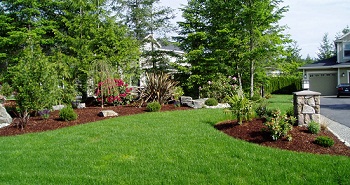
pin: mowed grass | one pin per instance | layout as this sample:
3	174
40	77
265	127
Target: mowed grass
281	102
179	147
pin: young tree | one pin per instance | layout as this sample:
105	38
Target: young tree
326	49
35	81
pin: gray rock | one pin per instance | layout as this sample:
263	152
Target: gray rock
57	107
107	113
5	118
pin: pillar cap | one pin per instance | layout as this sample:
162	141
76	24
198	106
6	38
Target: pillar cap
307	93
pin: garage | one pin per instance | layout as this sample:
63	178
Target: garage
323	82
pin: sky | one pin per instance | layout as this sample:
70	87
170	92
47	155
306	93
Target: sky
307	21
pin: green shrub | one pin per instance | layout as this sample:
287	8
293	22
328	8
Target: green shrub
279	125
211	102
219	87
261	108
6	90
68	114
153	107
278	128
324	141
178	92
241	107
290	111
314	127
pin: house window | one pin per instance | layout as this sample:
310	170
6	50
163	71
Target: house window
347	50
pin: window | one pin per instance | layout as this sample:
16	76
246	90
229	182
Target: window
347	50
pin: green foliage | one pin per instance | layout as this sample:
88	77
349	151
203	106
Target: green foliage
159	88
314	127
242	107
6	90
241	43
324	141
283	85
220	87
279	125
68	114
35	82
326	49
45	113
211	102
178	92
153	107
290	111
261	108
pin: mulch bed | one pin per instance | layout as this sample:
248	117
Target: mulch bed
253	131
302	140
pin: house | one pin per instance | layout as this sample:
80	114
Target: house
169	54
323	76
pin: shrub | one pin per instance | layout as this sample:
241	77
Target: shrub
113	91
279	125
45	114
241	107
159	88
178	92
278	128
219	88
211	102
153	107
261	108
314	127
6	90
324	141
290	111
68	114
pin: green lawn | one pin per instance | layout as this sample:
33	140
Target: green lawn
179	147
281	102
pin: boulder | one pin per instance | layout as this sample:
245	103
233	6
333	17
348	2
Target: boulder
107	113
5	118
57	107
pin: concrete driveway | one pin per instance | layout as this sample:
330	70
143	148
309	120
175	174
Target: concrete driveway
336	109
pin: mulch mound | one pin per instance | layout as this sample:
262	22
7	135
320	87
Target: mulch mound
253	131
302	140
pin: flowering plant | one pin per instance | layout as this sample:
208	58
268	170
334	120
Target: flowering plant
113	91
219	88
45	114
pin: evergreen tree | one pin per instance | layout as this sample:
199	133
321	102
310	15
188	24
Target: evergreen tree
233	36
326	49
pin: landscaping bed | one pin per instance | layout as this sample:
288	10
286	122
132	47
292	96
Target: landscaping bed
253	131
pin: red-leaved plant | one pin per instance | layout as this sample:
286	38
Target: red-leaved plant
113	92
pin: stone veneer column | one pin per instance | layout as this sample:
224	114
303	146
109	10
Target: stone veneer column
307	107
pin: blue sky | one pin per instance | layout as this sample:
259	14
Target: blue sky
308	20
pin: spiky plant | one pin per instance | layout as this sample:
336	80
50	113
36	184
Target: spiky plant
159	88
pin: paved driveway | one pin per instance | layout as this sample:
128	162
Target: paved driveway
336	109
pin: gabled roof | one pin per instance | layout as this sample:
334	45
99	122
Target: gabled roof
340	39
330	63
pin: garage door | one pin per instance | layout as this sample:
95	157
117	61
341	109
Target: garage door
324	83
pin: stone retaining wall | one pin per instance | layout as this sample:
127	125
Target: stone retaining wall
307	107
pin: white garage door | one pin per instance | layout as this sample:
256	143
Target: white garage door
324	83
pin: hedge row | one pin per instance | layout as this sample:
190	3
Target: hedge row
283	85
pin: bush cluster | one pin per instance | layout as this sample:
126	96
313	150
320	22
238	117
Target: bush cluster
67	114
314	127
219	88
242	107
279	125
153	107
211	102
324	141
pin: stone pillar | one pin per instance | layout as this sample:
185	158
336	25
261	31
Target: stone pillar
307	107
